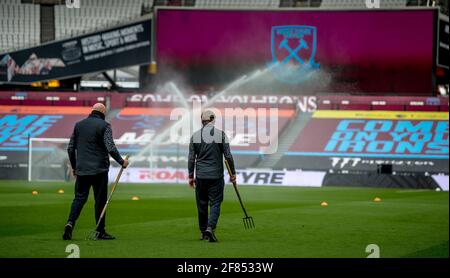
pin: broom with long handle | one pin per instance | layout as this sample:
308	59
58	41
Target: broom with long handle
94	234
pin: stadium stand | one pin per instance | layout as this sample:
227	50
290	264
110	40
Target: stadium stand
19	123
58	128
237	4
359	4
141	118
19	24
317	147
94	15
128	123
137	120
148	5
146	123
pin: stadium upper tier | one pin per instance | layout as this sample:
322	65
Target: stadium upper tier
239	3
94	15
355	4
360	140
20	23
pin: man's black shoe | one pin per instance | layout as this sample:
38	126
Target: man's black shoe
104	236
210	234
203	236
68	232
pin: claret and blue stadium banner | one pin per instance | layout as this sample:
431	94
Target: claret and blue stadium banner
19	123
337	140
362	140
309	51
121	46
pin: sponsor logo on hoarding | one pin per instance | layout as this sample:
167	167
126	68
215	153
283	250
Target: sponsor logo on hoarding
293	53
131	138
268	177
353	162
163	175
71	52
244	177
143	121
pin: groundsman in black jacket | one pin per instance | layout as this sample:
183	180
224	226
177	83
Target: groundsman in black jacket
89	148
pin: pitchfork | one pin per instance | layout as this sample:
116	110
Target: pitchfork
94	234
248	220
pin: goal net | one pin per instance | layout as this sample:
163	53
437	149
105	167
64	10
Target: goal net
150	162
48	159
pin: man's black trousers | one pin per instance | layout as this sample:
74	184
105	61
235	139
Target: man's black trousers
83	184
208	192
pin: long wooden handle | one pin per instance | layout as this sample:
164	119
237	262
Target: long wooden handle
118	178
228	166
116	182
235	188
229	170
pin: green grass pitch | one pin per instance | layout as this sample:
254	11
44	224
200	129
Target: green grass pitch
289	222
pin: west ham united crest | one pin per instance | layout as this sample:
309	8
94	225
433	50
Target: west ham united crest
293	53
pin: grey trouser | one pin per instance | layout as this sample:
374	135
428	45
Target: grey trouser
209	192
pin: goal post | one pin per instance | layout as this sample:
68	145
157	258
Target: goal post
48	159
